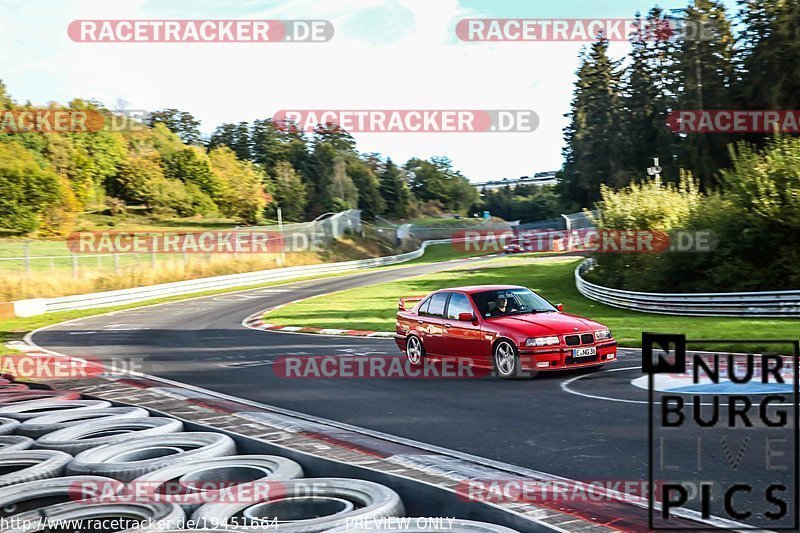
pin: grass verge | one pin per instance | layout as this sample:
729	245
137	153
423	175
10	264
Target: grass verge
373	308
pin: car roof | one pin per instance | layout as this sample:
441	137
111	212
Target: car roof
472	289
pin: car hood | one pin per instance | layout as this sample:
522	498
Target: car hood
545	324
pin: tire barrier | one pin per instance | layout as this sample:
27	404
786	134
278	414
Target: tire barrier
41	425
36	408
128	515
118	450
308	505
135	457
425	525
26	396
199	482
14	442
30	465
8	425
94	433
32	495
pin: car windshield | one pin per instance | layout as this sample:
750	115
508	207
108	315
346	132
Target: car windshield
507	302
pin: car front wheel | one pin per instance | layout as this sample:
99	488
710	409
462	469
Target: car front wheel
414	351
506	361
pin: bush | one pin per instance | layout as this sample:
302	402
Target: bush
242	194
754	218
28	191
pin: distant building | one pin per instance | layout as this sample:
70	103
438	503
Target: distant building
540	178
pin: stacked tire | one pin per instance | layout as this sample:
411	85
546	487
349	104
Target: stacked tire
65	458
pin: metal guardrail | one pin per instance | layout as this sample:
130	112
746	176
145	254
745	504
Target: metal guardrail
772	304
141	294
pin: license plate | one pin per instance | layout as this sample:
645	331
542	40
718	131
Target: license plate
584	352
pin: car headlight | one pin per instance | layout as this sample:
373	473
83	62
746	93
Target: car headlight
602	335
541	341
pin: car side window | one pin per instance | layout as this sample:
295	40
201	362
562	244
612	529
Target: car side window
459	303
423	307
436	307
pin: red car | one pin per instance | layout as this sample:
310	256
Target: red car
507	328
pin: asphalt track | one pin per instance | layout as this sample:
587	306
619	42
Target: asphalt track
585	425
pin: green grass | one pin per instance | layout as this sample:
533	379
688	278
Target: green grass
373	308
443	252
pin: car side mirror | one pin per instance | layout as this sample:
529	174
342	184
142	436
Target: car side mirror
466	317
560	308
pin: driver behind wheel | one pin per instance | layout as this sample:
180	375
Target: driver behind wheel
501	306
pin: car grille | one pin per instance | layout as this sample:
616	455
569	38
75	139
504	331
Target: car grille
569	360
577	340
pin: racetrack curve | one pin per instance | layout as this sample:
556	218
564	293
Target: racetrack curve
585	425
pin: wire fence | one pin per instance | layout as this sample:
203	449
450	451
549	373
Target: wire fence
41	257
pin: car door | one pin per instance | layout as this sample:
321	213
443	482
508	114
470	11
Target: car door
462	337
430	324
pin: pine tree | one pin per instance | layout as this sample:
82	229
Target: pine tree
592	137
648	97
706	70
770	54
290	192
394	191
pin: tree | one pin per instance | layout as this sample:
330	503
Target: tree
181	123
436	181
27	191
243	194
368	186
591	154
336	136
5	99
191	166
770	55
705	67
647	98
394	191
268	145
234	136
342	191
289	192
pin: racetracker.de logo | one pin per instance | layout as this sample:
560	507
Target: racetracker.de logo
202	242
562	30
361	367
200	31
734	121
412	120
184	491
45	367
586	241
33	120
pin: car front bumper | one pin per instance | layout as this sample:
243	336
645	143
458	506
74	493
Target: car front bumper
561	357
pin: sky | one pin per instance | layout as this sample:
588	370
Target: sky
385	54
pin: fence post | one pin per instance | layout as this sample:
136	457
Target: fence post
74	265
116	263
26	253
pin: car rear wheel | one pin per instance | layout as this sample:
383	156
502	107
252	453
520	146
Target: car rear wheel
415	352
506	361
